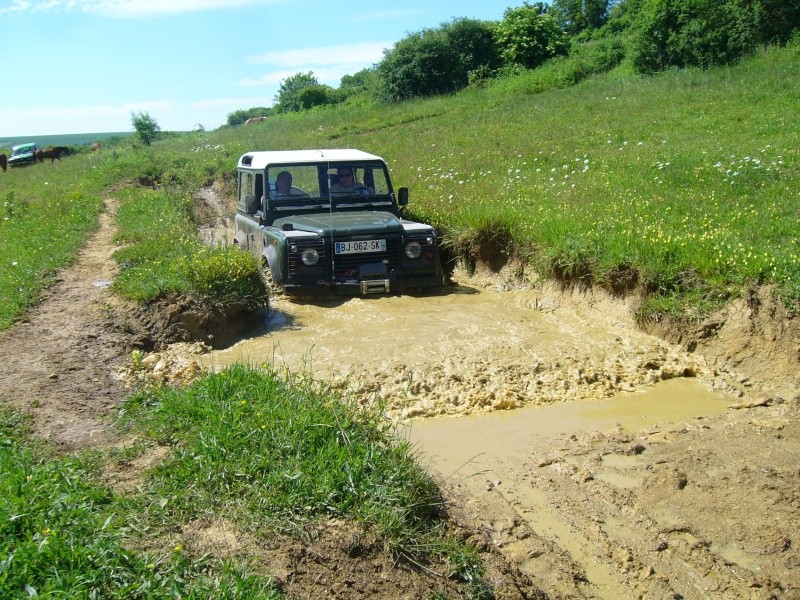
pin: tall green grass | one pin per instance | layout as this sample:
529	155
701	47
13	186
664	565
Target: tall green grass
63	534
686	183
161	253
683	185
273	452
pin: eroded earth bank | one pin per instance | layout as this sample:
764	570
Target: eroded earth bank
596	459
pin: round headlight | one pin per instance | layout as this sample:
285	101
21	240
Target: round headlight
309	256
413	249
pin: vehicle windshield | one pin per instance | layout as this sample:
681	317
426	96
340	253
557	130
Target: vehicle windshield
365	181
21	150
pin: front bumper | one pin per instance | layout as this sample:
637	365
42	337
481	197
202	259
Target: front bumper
366	287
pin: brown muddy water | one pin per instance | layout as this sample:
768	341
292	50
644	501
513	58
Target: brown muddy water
498	452
467	351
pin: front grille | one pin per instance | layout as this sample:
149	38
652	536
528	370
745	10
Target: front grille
346	266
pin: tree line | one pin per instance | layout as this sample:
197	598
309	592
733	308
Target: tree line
598	35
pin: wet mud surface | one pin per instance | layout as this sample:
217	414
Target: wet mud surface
602	461
595	459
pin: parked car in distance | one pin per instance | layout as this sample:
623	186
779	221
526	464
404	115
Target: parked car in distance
330	221
23	154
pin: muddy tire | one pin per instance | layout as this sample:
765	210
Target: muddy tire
273	289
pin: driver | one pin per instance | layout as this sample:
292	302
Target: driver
284	187
347	184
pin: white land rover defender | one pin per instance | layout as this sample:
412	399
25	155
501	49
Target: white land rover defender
330	221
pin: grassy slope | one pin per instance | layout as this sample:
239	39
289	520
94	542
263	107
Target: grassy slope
686	183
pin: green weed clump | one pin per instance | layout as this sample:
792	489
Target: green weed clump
64	535
223	274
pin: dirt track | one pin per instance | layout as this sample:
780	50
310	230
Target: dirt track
699	508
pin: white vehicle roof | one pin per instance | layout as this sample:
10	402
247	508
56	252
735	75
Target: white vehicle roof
260	159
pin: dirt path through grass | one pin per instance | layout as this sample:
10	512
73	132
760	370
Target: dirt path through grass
59	363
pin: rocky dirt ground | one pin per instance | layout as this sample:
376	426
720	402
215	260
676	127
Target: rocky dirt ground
703	508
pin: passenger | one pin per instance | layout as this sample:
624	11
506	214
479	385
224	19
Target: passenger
347	184
284	187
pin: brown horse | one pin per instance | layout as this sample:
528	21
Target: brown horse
3	162
52	153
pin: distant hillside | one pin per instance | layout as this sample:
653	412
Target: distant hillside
66	139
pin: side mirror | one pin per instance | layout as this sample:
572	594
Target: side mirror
252	204
402	196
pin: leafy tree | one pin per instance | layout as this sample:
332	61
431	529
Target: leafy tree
362	85
575	16
781	19
702	33
288	96
357	81
316	95
437	61
146	127
527	38
418	65
474	43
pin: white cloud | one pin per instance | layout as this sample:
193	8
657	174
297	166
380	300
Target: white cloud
271	78
386	15
328	64
62	113
234	103
328	75
171	116
128	8
363	54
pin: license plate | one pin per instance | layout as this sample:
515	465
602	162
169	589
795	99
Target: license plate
360	246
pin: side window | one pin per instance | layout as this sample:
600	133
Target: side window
245	185
247	188
258	190
289	182
375	180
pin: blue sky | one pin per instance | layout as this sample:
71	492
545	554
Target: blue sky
82	66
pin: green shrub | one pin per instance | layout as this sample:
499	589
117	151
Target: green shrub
437	61
706	33
146	127
528	38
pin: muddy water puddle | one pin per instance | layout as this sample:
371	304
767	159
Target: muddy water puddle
501	453
474	444
467	351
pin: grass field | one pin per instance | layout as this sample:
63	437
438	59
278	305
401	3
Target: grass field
683	185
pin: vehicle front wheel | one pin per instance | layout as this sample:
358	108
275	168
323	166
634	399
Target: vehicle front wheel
274	289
